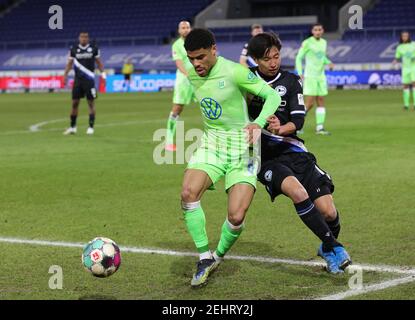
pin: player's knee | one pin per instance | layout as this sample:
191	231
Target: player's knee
236	216
236	220
189	194
328	211
299	194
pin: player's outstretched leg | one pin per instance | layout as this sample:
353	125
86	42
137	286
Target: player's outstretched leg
195	183
74	116
325	205
314	220
239	198
171	126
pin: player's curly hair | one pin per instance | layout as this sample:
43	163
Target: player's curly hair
261	44
199	39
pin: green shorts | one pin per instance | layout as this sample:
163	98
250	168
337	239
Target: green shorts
408	76
183	90
316	87
216	165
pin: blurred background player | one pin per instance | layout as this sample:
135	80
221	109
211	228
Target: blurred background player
245	59
314	49
286	165
405	52
183	91
83	58
127	71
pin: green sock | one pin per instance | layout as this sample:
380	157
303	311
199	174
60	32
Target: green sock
195	220
406	97
171	128
320	117
228	237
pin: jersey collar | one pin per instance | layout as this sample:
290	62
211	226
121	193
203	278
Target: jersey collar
271	81
83	47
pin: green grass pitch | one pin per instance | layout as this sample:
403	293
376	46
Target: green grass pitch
60	188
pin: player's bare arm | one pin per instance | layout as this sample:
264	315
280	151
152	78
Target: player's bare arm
181	68
68	68
275	127
100	65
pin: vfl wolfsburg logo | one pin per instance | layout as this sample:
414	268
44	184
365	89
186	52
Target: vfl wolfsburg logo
211	108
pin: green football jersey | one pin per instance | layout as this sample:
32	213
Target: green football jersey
222	94
315	55
179	53
222	100
406	52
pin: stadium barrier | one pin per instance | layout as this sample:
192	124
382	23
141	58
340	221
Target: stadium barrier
161	82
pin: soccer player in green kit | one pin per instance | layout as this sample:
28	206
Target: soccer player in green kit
406	52
220	87
183	92
313	49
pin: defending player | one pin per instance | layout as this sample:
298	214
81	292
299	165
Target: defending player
314	49
287	167
220	87
183	92
83	58
406	52
245	59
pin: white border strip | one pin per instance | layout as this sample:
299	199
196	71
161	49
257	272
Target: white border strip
408	271
369	288
376	268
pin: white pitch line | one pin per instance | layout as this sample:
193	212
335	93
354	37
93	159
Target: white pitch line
377	268
36	127
369	288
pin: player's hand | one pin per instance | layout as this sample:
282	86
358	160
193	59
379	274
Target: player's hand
331	66
253	132
274	124
302	78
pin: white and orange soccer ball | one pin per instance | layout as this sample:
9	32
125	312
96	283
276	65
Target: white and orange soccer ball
101	257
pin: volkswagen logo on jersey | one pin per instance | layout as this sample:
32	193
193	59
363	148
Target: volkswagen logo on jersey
281	90
211	108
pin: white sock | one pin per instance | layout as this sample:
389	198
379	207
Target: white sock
173	116
205	255
216	257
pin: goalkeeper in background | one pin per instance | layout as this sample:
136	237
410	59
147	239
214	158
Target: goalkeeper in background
127	71
406	53
183	92
313	49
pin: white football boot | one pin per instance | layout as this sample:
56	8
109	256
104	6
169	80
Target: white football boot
70	130
90	131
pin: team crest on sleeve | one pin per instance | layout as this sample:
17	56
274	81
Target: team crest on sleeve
281	90
211	108
268	175
221	84
251	76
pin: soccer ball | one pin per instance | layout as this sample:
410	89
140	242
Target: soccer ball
101	257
